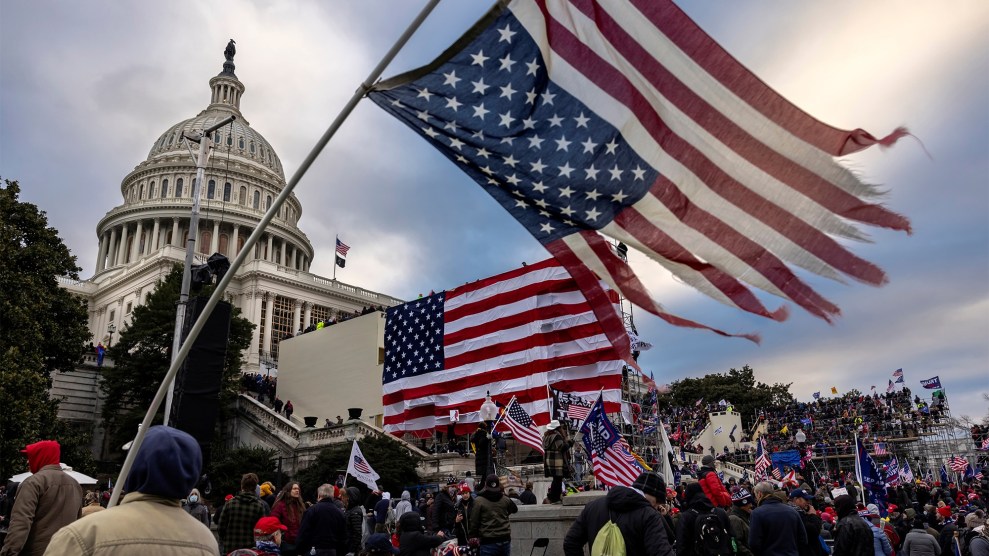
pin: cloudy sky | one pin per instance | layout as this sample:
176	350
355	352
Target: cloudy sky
86	88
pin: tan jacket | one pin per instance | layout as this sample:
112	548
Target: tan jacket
45	502
142	523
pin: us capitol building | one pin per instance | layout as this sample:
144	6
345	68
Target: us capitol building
143	238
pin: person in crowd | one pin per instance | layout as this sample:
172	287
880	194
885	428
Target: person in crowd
444	510
481	439
378	544
324	527
469	479
465	503
802	501
268	493
383	514
739	518
288	508
489	520
289	408
852	536
404	505
711	484
150	519
413	539
775	529
881	542
46	501
91	504
354	517
268	536
977	540
634	510
919	542
196	508
695	519
240	514
556	460
527	496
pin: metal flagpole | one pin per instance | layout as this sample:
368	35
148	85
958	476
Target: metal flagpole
335	243
253	239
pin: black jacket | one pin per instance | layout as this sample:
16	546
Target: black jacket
637	519
323	526
775	529
528	497
412	541
699	504
853	537
812	525
444	514
355	520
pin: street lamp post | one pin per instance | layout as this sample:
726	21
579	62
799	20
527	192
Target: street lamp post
110	329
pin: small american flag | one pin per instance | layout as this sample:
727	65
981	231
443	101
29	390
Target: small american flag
577	412
985	444
762	460
342	248
522	427
776	474
880	449
957	464
898	373
361	465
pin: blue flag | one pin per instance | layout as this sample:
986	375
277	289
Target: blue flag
969	472
944	476
817	395
873	482
931	383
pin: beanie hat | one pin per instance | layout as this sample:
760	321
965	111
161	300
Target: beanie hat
167	464
651	484
741	497
267	489
973	520
707	461
492	484
944	511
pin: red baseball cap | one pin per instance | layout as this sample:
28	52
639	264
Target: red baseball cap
268	525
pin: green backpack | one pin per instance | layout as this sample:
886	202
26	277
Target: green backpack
609	540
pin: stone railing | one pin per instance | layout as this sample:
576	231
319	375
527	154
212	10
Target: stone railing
271	421
730	469
377	298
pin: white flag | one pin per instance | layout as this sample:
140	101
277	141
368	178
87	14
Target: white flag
360	469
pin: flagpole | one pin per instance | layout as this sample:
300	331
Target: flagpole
858	469
335	244
502	416
253	239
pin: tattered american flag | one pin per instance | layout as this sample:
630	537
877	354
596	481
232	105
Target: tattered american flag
587	119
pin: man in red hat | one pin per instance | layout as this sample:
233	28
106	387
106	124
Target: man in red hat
268	533
46	501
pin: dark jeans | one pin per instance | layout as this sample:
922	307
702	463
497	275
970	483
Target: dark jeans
555	493
497	549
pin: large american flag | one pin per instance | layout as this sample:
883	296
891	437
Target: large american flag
587	119
957	464
611	458
522	427
511	335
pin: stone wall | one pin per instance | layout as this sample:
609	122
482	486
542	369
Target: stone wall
551	521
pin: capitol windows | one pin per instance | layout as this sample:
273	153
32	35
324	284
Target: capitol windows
230	140
211	189
267	202
164	188
140	194
224	242
178	187
151	191
216	138
257	199
252	147
240	143
242	198
205	240
227	188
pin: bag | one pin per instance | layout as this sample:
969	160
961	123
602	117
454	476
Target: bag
609	540
824	545
710	535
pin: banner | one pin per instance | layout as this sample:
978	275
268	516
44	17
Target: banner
360	469
931	383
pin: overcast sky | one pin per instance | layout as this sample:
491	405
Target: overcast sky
87	87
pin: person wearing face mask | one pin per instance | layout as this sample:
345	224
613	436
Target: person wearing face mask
197	509
445	511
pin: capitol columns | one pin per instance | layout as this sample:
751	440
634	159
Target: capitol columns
154	236
270	254
296	317
136	252
101	258
307	320
269	306
214	245
112	249
122	258
176	240
232	244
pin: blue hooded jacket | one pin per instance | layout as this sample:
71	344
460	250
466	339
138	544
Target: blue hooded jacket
167	464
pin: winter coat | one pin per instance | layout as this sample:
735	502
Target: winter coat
880	542
290	517
488	519
412	540
853	537
556	461
444	513
355	520
980	545
713	488
919	543
635	517
404	505
236	522
46	501
697	504
775	529
323	527
812	526
739	519
198	511
157	523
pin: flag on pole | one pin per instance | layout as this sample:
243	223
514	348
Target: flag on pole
341	253
817	395
957	463
360	469
906	474
870	476
834	389
873	387
879	449
612	461
522	427
944	475
985	444
510	335
577	412
931	383
628	121
777	474
890	387
892	475
898	373
762	461
899	380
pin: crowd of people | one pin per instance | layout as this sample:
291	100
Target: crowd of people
341	317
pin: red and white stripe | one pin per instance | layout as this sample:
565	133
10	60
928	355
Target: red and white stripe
749	187
614	469
510	335
529	436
